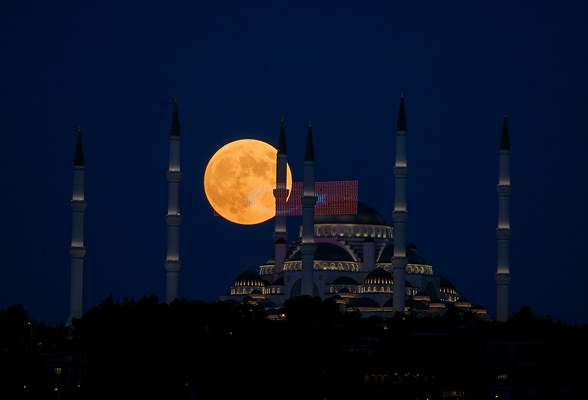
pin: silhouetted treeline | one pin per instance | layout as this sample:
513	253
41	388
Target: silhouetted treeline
309	349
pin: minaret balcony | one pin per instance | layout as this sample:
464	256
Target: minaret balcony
503	234
77	251
173	219
78	205
400	215
172	265
503	278
503	189
400	171
174	176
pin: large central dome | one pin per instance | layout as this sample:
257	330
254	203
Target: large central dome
366	215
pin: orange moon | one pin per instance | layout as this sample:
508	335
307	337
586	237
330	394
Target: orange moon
239	181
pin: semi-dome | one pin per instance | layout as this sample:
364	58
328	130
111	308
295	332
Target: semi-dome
444	283
249	278
378	276
344	280
325	252
412	257
366	215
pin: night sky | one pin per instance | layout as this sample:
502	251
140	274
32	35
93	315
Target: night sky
113	67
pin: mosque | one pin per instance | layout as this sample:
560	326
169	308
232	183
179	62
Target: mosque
357	259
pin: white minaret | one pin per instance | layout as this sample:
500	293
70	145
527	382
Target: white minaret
503	228
77	250
281	194
173	217
400	214
308	202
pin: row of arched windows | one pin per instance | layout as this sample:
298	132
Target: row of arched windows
374	231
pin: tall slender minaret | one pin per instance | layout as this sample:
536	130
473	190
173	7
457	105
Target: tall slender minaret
308	202
77	250
400	214
281	194
173	217
503	228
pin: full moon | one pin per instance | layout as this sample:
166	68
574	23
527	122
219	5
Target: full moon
239	181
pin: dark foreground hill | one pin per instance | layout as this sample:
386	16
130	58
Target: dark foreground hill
307	350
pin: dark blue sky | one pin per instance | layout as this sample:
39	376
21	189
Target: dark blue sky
113	67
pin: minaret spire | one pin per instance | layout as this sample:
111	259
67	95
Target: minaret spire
281	194
77	250
400	213
175	124
79	153
309	153
282	148
173	218
401	120
505	138
308	203
503	229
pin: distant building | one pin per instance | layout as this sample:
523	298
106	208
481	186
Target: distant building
359	260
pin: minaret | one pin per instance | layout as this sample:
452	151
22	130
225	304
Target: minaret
77	250
308	202
400	214
503	229
368	255
173	217
281	194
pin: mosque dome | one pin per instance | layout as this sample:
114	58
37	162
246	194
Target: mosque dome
325	252
249	278
378	276
366	215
